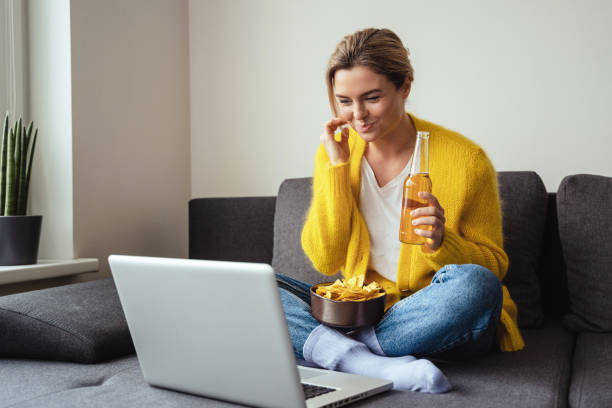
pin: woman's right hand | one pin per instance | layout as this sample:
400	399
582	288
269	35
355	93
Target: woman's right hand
338	152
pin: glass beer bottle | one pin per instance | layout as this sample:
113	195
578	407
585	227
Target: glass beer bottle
417	181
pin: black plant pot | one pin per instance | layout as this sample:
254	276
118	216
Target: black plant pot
19	238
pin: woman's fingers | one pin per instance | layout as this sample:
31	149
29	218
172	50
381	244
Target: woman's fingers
428	211
432	219
427	233
337	150
431	227
344	134
434	236
431	199
332	125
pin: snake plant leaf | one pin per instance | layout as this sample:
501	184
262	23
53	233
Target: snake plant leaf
11	191
15	127
29	172
23	187
28	133
18	166
3	156
16	156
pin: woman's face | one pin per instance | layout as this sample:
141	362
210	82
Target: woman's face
371	104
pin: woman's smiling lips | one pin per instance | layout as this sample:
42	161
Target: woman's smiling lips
365	127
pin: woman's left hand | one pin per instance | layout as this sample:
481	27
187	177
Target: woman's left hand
432	216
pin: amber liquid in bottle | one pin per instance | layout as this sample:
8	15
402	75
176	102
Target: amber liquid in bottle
411	201
417	181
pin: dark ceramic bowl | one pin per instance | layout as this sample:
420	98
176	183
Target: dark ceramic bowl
346	314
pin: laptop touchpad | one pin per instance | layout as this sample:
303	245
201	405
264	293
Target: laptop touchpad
306	372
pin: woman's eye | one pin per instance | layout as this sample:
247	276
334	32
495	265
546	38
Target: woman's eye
373	98
344	101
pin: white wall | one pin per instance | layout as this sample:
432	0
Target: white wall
528	81
130	124
111	92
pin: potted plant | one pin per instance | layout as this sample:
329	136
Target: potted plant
19	233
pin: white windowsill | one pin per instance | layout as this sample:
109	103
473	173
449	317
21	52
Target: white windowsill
47	268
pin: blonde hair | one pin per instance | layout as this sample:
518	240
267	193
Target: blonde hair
381	50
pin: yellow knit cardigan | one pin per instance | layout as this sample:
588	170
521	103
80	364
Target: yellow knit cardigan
335	236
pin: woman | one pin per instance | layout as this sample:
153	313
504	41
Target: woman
444	298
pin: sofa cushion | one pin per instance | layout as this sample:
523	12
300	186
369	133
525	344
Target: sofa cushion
117	383
83	323
592	371
585	225
537	376
524	201
292	204
35	382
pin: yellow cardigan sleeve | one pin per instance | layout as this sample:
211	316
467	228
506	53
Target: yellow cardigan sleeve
478	239
327	229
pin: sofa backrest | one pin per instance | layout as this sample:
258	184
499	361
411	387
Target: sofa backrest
584	204
524	207
292	205
268	229
231	229
552	273
524	204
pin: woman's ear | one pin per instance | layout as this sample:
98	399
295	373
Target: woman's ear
405	89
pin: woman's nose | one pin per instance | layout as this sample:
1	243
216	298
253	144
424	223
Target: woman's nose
360	112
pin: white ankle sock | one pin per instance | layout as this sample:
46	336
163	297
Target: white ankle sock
331	349
367	336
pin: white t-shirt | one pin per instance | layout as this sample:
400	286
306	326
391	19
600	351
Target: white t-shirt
381	209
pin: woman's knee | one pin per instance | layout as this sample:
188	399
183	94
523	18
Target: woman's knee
487	288
471	273
477	283
490	282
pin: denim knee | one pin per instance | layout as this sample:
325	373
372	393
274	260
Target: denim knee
489	285
480	287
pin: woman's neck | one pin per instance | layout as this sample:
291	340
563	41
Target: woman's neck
397	143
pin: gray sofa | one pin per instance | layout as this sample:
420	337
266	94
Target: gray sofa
69	346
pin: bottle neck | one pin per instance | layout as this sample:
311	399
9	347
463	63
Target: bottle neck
420	157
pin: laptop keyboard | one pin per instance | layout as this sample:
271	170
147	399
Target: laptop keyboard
311	391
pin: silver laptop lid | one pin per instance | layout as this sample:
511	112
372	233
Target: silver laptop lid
195	333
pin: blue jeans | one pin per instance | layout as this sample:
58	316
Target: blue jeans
452	318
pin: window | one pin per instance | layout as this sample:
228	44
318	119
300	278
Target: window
13	57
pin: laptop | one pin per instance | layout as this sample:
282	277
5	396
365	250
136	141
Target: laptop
217	329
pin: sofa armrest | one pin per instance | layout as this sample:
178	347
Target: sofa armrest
82	323
232	229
